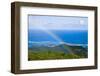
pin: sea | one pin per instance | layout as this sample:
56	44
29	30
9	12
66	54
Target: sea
57	36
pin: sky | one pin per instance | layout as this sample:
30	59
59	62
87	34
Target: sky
39	22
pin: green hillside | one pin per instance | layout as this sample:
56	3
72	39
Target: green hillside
62	51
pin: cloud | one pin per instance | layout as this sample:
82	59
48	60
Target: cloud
58	23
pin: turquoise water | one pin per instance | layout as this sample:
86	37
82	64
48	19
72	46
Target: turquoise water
56	36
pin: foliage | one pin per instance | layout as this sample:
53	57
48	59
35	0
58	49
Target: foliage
47	55
58	52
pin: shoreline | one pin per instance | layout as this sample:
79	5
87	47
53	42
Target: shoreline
53	44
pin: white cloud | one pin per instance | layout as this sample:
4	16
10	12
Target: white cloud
58	23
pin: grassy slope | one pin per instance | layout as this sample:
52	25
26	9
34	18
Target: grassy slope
58	52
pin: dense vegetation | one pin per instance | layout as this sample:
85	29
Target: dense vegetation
42	55
58	52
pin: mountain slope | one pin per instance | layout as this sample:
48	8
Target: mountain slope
57	52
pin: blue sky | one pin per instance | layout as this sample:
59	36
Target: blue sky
57	22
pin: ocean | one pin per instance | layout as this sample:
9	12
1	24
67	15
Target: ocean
56	36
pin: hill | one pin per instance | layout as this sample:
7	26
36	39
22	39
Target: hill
61	51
